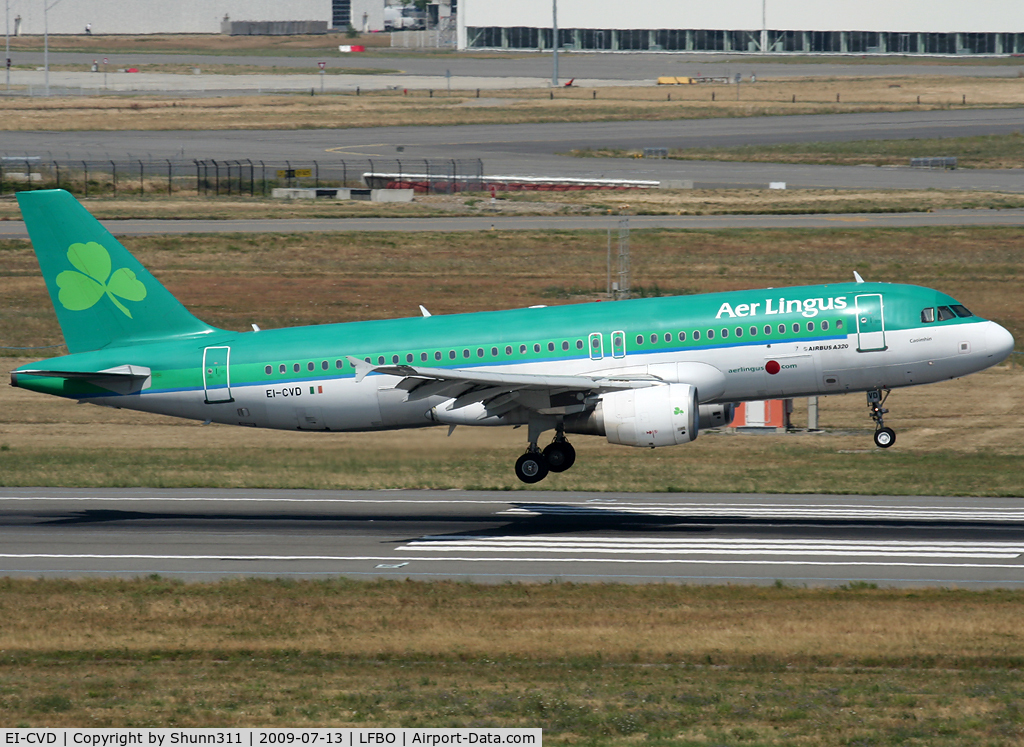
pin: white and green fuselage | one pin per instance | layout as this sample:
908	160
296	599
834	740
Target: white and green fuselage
133	346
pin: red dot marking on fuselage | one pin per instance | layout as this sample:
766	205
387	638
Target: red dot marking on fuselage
772	367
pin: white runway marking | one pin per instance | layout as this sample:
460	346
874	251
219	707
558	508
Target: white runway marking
729	547
777	511
723	552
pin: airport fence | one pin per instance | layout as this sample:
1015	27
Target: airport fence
211	177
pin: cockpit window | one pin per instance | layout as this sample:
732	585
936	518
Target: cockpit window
946	313
928	315
960	310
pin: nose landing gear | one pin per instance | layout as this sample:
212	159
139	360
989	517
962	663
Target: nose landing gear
884	437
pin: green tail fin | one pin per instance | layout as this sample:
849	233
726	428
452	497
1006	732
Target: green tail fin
102	295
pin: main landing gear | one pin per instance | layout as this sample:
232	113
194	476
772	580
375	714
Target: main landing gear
884	437
534	465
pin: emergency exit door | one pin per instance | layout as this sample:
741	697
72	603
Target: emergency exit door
217	375
870	323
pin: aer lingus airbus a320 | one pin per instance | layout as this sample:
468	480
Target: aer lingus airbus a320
649	372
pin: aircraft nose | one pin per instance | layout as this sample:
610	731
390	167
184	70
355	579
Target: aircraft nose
999	342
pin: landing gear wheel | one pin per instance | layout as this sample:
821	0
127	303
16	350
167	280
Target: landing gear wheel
885	437
560	455
531	467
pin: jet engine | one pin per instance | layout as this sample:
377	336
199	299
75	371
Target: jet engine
717	416
653	416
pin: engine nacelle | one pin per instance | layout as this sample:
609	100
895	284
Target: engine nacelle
653	416
717	416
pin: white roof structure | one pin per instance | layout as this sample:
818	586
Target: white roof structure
859	26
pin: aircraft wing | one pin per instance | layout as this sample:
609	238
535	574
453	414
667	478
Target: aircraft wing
499	392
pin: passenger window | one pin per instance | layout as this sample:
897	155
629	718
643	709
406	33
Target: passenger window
536	347
711	334
494	352
668	337
325	365
696	334
508	350
946	313
269	370
639	339
380	361
579	344
310	366
395	359
409	357
551	347
565	345
465	352
928	315
654	339
682	337
522	349
796	327
282	368
479	352
753	331
810	326
960	310
341	364
451	355
423	357
839	323
767	329
725	332
824	325
782	329
739	331
437	355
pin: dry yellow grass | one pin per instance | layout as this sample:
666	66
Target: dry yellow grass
546	622
595	664
812	95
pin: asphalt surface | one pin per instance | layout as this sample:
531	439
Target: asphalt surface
16	229
534	149
513	536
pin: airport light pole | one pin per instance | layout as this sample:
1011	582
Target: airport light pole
7	43
554	42
46	41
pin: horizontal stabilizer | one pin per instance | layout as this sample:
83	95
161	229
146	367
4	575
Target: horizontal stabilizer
125	379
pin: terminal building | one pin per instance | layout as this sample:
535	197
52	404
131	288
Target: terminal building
912	27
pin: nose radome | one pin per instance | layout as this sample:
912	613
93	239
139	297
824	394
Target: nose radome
999	342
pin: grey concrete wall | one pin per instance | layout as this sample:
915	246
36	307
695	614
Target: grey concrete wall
151	17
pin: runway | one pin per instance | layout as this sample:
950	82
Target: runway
539	149
495	537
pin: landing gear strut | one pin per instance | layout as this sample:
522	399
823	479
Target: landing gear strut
558	456
884	437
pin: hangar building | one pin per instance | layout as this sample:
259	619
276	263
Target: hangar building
981	27
180	16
